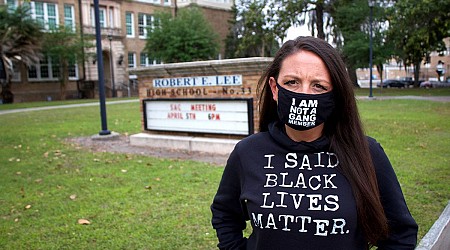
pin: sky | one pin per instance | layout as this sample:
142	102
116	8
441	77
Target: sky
294	32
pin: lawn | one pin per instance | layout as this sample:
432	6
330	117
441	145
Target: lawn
376	92
136	202
402	92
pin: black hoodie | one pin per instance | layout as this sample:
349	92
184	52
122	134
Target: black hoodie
296	198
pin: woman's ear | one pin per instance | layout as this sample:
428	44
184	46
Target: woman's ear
274	88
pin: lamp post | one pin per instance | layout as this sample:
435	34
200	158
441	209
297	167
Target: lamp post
101	85
111	65
371	4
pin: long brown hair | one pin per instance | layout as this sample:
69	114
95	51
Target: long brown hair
343	128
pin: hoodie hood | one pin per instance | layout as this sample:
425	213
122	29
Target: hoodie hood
278	132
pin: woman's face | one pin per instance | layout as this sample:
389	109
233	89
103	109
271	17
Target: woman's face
302	72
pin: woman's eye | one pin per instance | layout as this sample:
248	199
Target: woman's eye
319	86
291	82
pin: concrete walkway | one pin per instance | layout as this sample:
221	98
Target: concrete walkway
438	238
10	111
408	97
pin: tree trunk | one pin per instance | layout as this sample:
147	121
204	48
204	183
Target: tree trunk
6	94
417	73
380	71
7	70
64	79
353	76
263	46
175	9
351	72
319	20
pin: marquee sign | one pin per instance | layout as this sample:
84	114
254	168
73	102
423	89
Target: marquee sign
198	81
217	116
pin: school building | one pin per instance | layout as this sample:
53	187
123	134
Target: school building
123	30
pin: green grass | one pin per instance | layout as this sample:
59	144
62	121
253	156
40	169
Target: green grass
358	92
138	202
403	92
416	137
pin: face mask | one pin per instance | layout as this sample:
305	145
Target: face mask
304	111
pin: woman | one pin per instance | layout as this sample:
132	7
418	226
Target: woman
310	179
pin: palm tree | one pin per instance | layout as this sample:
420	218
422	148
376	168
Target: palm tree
20	41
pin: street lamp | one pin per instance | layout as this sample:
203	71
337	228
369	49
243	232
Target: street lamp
111	65
371	4
101	82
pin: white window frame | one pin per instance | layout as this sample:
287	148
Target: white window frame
102	17
145	60
50	72
39	71
150	1
45	15
75	71
129	25
131	60
71	18
12	4
144	24
111	17
16	73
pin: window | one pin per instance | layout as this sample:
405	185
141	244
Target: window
111	17
73	72
16	73
131	60
150	1
146	60
145	21
167	2
55	69
49	69
46	14
69	15
102	16
44	70
106	17
12	5
39	13
129	24
32	72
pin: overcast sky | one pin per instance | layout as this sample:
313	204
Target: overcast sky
294	32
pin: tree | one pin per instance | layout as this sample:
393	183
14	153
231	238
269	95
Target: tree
260	25
232	39
255	30
417	28
314	13
65	48
20	42
351	22
186	37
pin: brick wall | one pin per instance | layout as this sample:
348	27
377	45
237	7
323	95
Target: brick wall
219	20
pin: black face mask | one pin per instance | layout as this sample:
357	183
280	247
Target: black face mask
304	111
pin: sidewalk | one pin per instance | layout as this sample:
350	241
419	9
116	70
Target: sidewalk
408	97
10	111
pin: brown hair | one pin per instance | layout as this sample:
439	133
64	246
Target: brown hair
343	128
